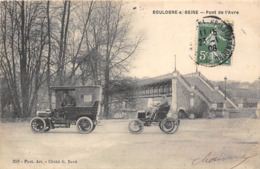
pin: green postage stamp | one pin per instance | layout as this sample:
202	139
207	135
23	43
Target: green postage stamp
215	42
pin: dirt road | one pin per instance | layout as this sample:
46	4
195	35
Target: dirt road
203	143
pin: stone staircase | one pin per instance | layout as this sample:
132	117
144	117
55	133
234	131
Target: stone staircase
193	89
214	93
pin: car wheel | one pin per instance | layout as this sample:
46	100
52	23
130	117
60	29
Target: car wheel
84	125
136	126
94	126
169	125
160	125
38	125
47	129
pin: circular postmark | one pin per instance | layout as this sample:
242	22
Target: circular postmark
215	42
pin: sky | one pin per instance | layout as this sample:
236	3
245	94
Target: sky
167	35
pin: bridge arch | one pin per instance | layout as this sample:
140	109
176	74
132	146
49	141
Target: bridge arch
182	113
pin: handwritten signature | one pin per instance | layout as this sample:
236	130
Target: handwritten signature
209	158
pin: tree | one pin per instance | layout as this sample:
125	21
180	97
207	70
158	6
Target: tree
23	35
118	46
60	43
49	54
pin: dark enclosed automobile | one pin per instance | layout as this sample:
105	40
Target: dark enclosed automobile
71	105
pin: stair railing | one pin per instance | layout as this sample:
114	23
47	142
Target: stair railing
228	96
206	80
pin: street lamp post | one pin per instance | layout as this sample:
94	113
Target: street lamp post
225	79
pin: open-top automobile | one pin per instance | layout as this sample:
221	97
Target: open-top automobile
168	125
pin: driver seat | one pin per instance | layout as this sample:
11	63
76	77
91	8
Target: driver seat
162	112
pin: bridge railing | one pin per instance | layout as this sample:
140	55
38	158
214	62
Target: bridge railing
184	80
206	80
152	91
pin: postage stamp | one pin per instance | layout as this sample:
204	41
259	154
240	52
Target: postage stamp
215	42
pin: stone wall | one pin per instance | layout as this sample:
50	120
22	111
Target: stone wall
183	96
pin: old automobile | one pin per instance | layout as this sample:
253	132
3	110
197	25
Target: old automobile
168	125
83	111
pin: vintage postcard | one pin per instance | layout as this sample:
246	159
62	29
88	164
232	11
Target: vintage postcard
130	84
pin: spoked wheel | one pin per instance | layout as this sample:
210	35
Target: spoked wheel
84	125
169	125
136	126
38	125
